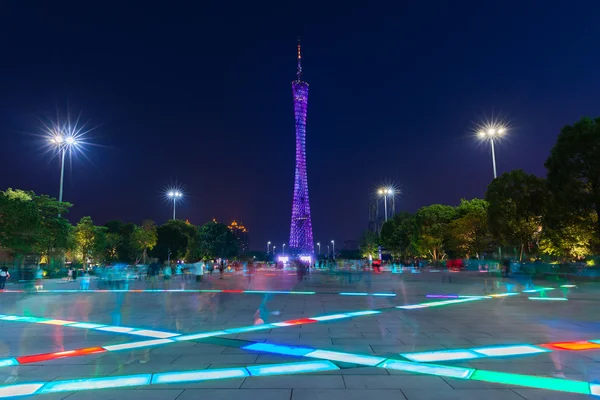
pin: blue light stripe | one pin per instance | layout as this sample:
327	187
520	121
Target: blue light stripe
96	383
7	362
291	368
353	294
250	328
346	357
200	375
278	349
429	369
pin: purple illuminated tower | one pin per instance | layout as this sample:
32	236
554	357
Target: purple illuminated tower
301	237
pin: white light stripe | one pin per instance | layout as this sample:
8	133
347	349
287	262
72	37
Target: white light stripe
134	345
19	390
118	329
441	355
346	357
200	335
509	350
156	334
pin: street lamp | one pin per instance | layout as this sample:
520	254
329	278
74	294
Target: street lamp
174	194
327	251
333	248
64	143
274	251
319	246
385	192
268	247
284	249
490	133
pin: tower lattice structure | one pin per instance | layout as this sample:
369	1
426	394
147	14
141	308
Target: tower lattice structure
301	236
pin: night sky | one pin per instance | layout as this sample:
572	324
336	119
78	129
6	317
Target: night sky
202	97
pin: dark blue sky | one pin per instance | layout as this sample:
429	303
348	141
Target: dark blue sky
202	96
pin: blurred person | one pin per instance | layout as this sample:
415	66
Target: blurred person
39	275
85	281
4	276
199	270
221	269
69	274
167	272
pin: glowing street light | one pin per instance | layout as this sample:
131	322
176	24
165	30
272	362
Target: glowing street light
319	246
274	250
64	143
492	132
284	249
385	192
268	247
174	194
333	248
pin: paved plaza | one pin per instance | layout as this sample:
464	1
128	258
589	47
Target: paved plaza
271	337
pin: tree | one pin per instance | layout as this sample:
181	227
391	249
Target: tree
398	235
119	241
90	240
516	204
144	238
468	235
216	240
175	239
29	224
369	244
432	229
574	179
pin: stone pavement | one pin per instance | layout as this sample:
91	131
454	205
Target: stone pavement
472	324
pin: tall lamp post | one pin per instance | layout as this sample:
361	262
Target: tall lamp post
491	133
174	194
385	192
319	246
268	247
284	249
333	248
64	144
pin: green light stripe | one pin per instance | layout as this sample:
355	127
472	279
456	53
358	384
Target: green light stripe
539	382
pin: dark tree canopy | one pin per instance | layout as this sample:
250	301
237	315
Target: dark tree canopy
216	240
574	177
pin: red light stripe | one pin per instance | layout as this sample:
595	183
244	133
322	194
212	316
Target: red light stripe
301	321
60	354
576	345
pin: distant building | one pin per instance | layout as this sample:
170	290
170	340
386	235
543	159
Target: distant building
241	233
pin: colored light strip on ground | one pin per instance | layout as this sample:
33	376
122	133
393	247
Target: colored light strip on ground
428	369
201	335
59	354
538	290
251	328
346	357
209	291
198	376
555	384
501	351
278	349
568	286
442	296
151	333
579	345
595	389
8	362
448	355
504	294
135	345
549	298
330	317
292	368
538	382
95	383
438	303
163	378
353	294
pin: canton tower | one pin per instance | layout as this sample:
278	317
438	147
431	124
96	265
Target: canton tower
301	237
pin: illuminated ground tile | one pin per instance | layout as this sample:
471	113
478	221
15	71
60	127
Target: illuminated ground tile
156	334
135	345
96	383
499	351
561	385
302	292
568	286
251	328
411	307
267	291
353	294
59	354
117	329
346	357
56	322
23	319
448	355
429	369
291	368
331	317
537	290
442	296
278	349
549	298
384	294
300	321
200	335
202	375
361	313
595	389
581	345
7	362
595	341
86	325
503	294
19	390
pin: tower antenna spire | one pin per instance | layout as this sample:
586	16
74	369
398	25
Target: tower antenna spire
299	73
